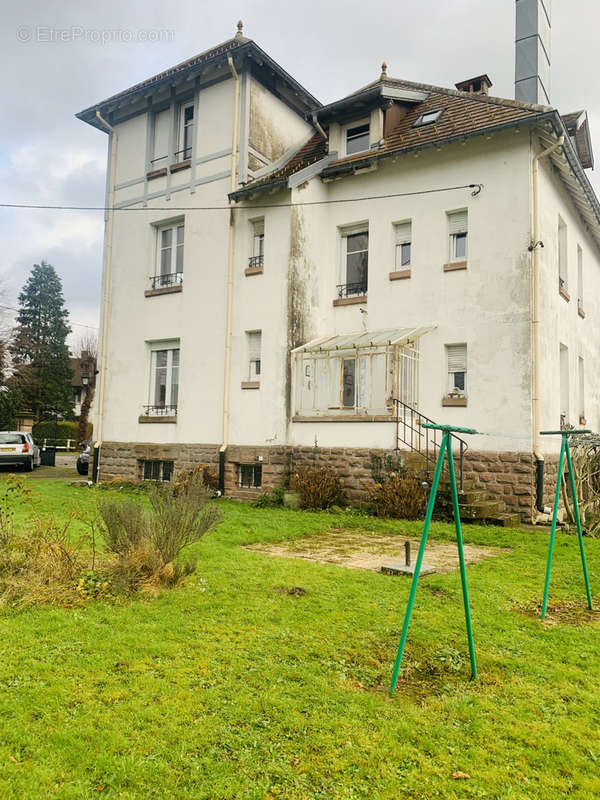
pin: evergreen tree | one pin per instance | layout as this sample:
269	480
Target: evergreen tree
43	373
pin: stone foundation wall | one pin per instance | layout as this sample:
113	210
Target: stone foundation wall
504	476
123	459
509	477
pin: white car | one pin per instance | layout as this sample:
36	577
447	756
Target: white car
18	448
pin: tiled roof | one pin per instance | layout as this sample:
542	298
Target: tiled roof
314	149
463	114
201	58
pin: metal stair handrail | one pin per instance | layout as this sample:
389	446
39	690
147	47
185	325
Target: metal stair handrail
424	441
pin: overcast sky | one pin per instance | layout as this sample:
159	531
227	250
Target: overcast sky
332	47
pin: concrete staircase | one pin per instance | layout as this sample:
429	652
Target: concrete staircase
476	505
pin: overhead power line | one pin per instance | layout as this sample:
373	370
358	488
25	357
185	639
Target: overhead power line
476	186
79	324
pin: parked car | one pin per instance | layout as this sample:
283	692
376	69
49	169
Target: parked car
19	449
83	461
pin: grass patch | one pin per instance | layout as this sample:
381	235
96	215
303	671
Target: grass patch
228	687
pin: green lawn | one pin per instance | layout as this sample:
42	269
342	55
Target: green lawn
227	688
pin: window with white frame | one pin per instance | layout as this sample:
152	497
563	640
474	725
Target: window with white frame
186	132
456	357
563	271
355	261
357	137
254	344
169	260
153	470
164	378
579	278
258	243
161	121
250	476
403	237
361	380
458	232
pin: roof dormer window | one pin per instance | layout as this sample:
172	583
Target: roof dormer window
429	117
357	137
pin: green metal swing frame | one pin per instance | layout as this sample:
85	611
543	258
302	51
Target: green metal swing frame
565	452
445	449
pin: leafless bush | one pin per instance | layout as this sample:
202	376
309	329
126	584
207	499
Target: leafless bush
148	541
402	497
585	455
318	487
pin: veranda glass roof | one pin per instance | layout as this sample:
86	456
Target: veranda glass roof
363	339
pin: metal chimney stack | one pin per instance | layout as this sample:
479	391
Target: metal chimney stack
532	56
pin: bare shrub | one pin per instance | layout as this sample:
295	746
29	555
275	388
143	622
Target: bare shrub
125	525
585	455
148	541
201	472
318	487
37	565
398	496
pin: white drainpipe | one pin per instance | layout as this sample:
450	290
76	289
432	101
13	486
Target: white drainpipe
230	260
108	236
536	300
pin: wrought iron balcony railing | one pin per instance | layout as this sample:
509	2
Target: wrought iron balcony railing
162	281
256	261
160	411
352	289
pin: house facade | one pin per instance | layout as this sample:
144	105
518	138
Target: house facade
289	283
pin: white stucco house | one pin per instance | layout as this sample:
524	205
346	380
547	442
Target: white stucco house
288	281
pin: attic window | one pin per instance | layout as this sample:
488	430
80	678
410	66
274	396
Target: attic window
357	138
429	117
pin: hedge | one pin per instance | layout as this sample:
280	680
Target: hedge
60	430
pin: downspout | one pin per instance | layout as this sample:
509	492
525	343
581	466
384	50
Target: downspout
534	247
108	236
317	125
230	259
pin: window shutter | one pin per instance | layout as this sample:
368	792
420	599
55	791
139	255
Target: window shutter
403	233
457	357
259	227
254	341
457	222
161	135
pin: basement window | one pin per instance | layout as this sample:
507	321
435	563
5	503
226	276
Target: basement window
250	476
157	470
428	117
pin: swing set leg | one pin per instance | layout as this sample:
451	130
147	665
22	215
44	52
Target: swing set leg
553	528
565	452
579	531
415	577
461	557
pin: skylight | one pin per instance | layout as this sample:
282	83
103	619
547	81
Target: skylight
429	117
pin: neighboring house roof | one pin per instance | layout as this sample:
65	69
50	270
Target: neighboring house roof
83	365
238	44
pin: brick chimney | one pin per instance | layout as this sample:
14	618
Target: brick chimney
478	85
